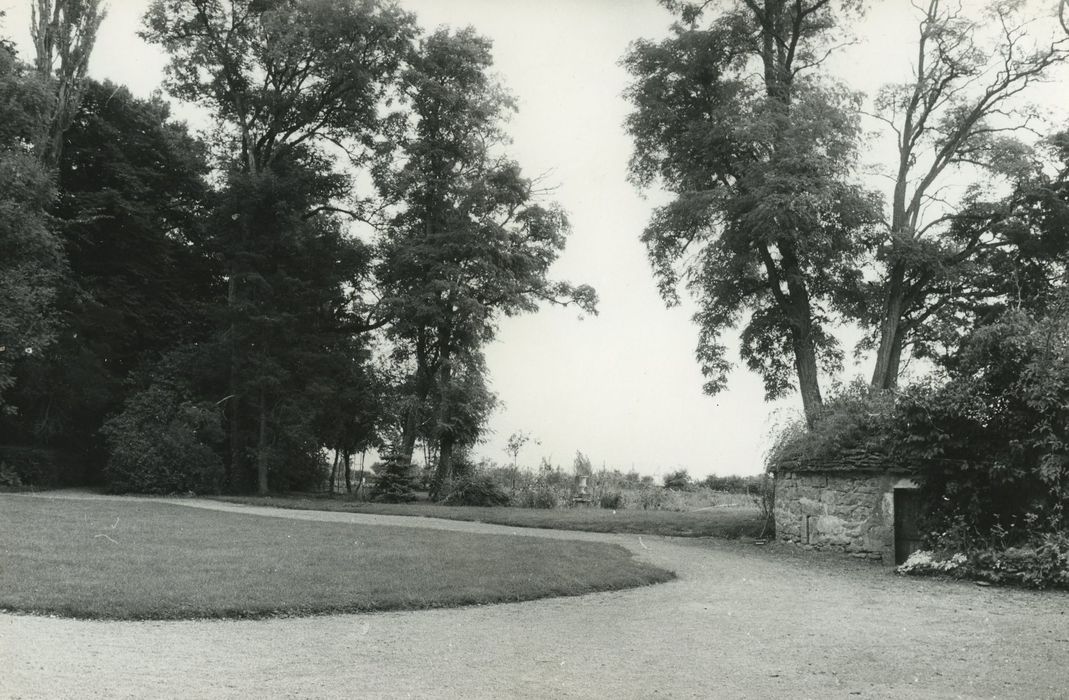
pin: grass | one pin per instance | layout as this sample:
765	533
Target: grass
727	523
143	560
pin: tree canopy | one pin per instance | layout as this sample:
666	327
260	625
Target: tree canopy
766	225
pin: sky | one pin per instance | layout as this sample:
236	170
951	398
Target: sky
622	387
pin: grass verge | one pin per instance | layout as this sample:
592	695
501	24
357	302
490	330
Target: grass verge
727	523
143	560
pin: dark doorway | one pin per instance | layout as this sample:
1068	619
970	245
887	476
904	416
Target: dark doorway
907	523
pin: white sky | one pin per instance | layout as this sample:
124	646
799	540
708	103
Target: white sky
623	387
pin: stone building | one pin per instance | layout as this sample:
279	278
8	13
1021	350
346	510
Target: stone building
858	504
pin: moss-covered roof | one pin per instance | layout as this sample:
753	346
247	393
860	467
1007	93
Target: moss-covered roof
856	459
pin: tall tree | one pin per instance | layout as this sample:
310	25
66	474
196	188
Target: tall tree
64	33
958	110
283	78
766	225
469	240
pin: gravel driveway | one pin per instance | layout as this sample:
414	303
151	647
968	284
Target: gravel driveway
741	621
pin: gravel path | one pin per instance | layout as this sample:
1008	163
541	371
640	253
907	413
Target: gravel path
741	621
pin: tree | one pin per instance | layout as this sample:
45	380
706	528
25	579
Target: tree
129	218
1013	255
467	239
513	446
283	78
31	260
957	111
766	226
64	33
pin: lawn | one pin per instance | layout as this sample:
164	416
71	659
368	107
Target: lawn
726	522
143	560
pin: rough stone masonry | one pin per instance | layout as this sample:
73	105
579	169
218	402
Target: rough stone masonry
848	511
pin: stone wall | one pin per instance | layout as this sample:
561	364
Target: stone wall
847	511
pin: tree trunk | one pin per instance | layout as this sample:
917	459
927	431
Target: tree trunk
805	364
445	462
446	439
360	480
889	351
333	473
236	466
348	472
261	452
799	311
408	433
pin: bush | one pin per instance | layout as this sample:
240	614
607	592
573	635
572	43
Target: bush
9	478
612	501
37	466
537	496
164	442
476	488
1042	563
395	483
678	480
994	442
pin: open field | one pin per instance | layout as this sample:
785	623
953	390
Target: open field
727	522
127	559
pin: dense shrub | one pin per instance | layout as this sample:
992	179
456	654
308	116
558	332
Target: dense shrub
538	496
475	488
9	478
678	480
612	501
44	467
164	442
994	439
1042	562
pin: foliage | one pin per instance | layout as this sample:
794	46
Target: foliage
476	488
1043	562
613	500
164	441
130	220
758	152
1040	562
540	494
64	33
856	428
957	120
678	480
467	239
765	500
996	436
9	478
395	483
31	260
289	84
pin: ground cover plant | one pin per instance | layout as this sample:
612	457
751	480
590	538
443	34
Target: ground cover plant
729	523
144	560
